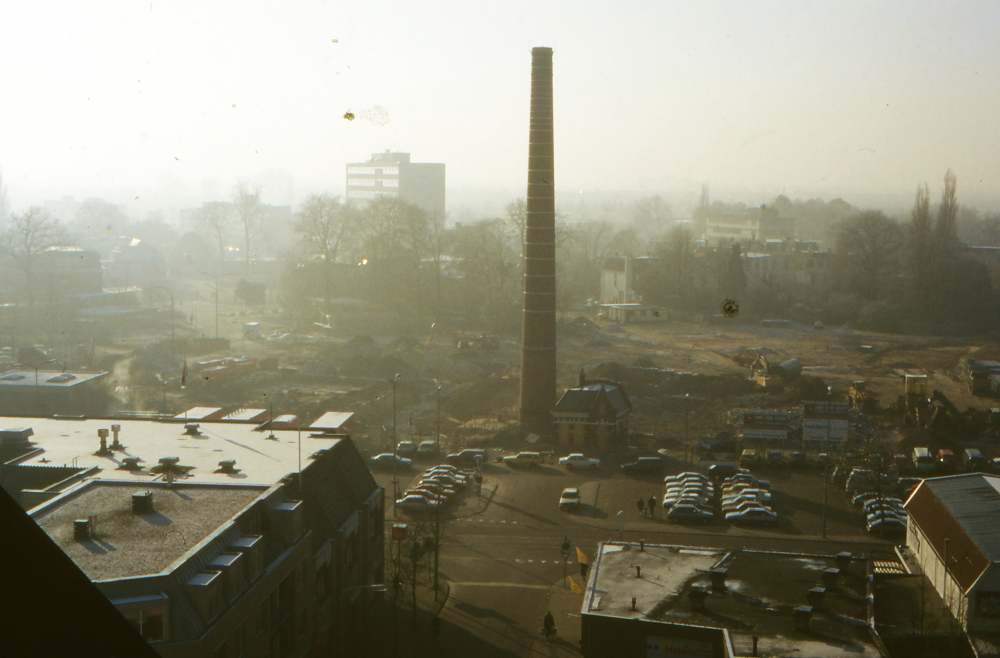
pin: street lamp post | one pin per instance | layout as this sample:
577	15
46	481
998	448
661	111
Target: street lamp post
687	446
395	454
826	464
565	550
437	436
171	309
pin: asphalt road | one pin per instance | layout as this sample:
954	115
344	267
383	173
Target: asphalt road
502	554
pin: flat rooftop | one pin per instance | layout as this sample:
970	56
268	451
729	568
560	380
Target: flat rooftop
762	590
127	544
47	378
259	460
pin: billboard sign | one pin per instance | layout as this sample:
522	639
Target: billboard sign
988	605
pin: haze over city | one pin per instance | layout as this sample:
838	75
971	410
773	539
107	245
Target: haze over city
435	329
172	102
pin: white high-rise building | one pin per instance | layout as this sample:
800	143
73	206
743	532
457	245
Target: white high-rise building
392	174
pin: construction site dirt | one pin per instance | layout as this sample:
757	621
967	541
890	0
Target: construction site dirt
468	390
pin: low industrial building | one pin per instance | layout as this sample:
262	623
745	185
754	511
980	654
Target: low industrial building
593	416
25	390
207	536
953	532
654	600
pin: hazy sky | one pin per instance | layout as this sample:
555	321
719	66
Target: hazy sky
125	99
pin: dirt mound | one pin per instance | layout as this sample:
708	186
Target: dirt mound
405	344
484	397
651	382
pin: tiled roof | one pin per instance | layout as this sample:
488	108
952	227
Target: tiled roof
964	509
581	399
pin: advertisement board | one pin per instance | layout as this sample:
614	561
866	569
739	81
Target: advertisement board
988	605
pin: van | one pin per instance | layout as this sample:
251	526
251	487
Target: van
748	458
973	460
922	460
945	459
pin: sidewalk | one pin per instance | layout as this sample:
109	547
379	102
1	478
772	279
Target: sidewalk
413	639
565	606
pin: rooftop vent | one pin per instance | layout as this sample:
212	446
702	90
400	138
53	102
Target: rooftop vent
142	503
169	461
102	434
697	596
718	577
191	429
843	560
815	596
801	616
830	577
228	466
115	445
81	530
130	464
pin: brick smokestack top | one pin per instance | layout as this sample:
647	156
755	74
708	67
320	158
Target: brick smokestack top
538	334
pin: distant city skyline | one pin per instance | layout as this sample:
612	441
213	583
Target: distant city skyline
173	103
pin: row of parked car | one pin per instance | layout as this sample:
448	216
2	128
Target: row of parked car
688	498
884	514
437	486
745	500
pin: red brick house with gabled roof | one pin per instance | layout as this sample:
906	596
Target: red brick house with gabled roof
594	415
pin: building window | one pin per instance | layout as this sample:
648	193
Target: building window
365	182
263	619
240	640
390	182
321	587
149	623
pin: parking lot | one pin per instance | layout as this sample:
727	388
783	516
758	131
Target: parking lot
529	496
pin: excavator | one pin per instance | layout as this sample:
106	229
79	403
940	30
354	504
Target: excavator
462	341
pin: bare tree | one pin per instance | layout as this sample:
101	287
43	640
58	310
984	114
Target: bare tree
4	202
97	214
249	214
919	245
325	225
650	216
946	230
516	214
30	233
867	248
436	242
490	264
216	217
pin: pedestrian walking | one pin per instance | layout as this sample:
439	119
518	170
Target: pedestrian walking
652	505
435	628
549	625
641	506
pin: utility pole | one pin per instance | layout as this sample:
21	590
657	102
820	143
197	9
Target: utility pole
437	437
171	310
395	447
826	464
687	445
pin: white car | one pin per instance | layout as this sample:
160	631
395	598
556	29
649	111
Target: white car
578	460
570	499
415	503
523	459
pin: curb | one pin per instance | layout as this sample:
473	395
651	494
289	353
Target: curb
665	528
479	511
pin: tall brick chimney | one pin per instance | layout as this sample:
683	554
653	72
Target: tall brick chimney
538	333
